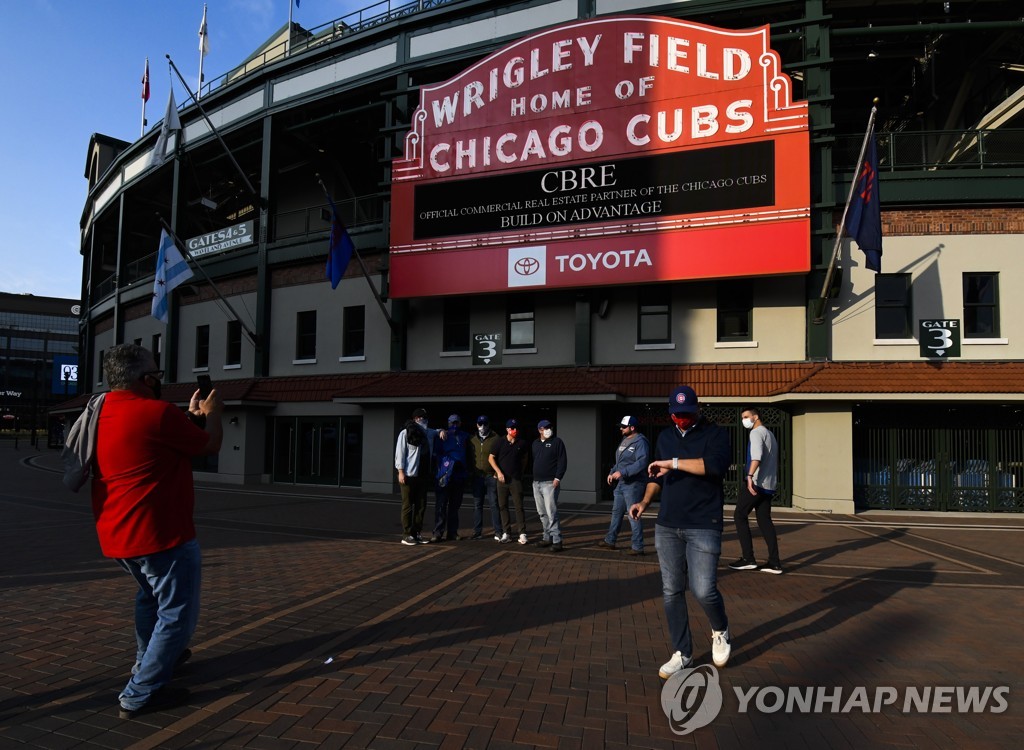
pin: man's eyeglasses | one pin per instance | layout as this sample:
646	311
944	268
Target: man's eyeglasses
158	374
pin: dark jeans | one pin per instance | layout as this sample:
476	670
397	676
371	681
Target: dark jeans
762	504
689	558
414	504
515	488
446	514
485	488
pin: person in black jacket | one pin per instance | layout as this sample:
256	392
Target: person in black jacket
691	458
549	464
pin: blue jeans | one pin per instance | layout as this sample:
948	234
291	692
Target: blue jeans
689	556
485	488
545	495
166	613
625	495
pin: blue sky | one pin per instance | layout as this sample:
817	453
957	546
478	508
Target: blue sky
72	68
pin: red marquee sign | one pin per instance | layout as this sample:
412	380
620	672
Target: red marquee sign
610	151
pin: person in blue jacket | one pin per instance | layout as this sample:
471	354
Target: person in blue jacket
628	476
691	459
450	449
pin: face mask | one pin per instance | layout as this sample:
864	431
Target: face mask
546	434
748	423
422	422
483	429
684	421
512	433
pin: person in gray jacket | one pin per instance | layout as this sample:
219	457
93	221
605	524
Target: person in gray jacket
413	453
628	476
762	481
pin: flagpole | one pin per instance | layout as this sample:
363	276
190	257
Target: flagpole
192	262
362	265
145	97
288	39
234	162
202	52
820	315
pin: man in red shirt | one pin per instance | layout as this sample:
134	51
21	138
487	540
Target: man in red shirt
143	499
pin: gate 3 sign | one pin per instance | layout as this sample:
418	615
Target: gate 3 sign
609	151
939	338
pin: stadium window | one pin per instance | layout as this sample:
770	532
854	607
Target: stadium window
520	324
654	315
981	305
735	310
455	326
353	336
202	358
893	306
233	353
305	334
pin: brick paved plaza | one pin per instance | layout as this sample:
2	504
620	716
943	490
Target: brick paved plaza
319	629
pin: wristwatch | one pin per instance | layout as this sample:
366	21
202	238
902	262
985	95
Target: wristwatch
675	463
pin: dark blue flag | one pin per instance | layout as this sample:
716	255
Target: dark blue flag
864	220
341	249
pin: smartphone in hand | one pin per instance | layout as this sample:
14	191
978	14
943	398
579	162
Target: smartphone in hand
205	386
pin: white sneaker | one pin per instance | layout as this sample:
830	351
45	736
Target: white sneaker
673	665
497	538
504	538
522	539
721	647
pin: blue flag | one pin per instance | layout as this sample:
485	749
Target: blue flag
340	252
864	221
171	270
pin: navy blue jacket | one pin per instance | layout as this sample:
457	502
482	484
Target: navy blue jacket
689	501
549	459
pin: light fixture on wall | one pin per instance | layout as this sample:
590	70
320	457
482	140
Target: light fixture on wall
872	54
233	420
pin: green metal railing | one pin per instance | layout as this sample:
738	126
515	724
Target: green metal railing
972	463
937	149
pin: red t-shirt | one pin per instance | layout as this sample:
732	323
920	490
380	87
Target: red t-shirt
142	492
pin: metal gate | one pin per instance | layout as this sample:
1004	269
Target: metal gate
925	457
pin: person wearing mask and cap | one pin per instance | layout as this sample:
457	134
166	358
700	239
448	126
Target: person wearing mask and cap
413	451
450	448
549	464
691	458
508	459
484	480
628	476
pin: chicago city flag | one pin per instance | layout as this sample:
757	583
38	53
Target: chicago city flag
171	270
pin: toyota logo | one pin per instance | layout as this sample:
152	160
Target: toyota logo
527	266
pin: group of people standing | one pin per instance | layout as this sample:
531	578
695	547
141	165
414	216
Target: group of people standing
448	459
685	473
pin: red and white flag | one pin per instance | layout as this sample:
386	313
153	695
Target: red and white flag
145	82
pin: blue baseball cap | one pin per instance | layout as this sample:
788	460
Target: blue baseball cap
512	424
542	424
683	401
482	419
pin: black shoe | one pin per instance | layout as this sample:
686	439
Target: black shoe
476	537
772	567
544	543
556	547
436	539
743	564
165	697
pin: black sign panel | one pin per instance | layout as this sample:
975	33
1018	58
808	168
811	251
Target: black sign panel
939	338
487	349
722	178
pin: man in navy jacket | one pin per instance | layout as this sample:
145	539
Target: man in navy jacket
691	459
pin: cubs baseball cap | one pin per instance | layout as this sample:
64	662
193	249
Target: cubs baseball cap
683	401
542	424
512	424
454	418
417	413
628	422
482	419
